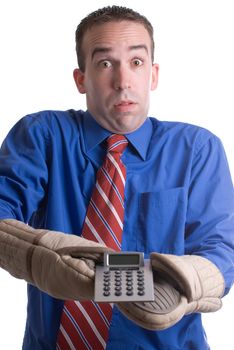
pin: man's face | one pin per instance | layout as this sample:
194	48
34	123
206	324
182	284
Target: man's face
119	75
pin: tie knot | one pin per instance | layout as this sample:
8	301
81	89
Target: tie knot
116	143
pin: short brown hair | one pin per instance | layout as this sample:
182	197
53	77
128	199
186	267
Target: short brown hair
104	15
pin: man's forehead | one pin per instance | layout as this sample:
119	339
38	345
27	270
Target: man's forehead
108	34
108	49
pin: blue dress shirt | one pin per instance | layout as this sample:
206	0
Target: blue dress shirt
179	199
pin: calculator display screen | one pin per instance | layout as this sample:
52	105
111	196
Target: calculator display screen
124	259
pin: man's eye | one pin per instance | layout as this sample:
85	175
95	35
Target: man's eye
106	64
137	62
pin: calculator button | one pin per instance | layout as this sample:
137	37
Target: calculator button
106	278
118	279
129	292
129	283
117	272
118	288
106	288
118	293
141	292
129	288
118	275
129	273
106	273
141	288
106	293
128	279
118	283
140	283
140	278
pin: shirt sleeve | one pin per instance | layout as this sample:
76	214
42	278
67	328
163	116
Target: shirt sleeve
23	169
210	215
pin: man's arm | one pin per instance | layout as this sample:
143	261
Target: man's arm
182	285
196	281
59	264
209	230
24	157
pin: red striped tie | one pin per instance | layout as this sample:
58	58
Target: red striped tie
85	325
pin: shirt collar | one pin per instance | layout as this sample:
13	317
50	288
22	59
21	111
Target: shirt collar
141	137
95	134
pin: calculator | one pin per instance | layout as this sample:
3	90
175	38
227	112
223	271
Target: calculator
124	276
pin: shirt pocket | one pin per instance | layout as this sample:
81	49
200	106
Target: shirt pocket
160	222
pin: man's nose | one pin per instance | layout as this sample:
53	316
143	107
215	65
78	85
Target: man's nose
122	78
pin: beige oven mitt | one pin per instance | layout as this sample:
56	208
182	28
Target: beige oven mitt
59	264
182	285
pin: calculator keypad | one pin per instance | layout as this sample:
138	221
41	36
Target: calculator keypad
124	285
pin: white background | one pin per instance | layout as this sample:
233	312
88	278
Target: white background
194	47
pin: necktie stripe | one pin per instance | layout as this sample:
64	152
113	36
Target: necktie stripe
104	309
84	331
62	342
75	333
104	231
116	143
101	324
112	159
113	186
85	325
116	182
93	231
89	234
103	227
104	222
111	195
74	326
110	205
91	325
113	216
68	340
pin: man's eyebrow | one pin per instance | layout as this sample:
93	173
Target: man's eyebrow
100	50
109	49
139	47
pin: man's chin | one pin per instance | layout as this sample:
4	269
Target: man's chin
126	124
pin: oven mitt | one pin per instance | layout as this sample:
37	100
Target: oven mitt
182	285
59	264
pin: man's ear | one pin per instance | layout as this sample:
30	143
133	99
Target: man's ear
154	81
79	76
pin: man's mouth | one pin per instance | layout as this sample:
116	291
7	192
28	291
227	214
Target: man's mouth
124	103
125	106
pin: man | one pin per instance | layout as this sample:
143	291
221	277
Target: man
178	197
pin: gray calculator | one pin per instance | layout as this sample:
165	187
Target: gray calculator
124	276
